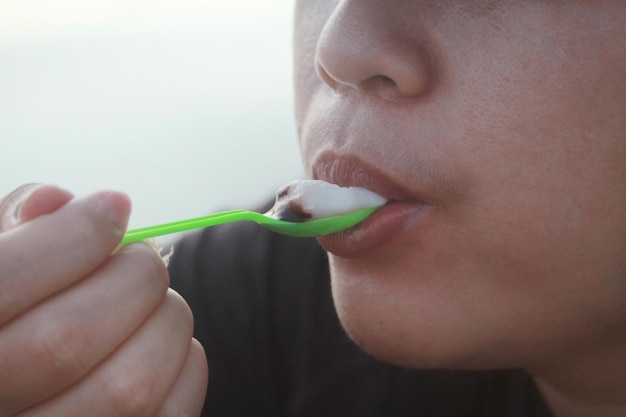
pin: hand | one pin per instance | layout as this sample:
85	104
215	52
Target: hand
84	332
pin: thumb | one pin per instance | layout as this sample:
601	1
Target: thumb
30	201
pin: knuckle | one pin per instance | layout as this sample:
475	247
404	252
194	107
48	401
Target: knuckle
181	309
62	347
130	393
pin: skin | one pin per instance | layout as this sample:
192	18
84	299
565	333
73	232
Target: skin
508	118
84	332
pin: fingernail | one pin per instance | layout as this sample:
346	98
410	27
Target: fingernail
117	206
17	199
17	212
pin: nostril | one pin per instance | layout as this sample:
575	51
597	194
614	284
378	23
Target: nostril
398	72
379	83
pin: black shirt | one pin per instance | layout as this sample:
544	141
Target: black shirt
264	314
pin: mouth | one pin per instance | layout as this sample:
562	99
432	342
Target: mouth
383	229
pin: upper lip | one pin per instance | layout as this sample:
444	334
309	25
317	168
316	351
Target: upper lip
352	171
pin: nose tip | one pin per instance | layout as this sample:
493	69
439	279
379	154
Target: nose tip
354	53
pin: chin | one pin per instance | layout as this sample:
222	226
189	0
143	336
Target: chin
414	347
399	322
375	323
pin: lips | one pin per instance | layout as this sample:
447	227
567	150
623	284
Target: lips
387	225
351	171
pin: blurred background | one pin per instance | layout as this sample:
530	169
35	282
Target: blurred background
186	105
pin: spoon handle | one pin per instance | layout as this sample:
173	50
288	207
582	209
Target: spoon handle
309	228
184	225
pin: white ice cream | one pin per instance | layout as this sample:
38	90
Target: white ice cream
313	199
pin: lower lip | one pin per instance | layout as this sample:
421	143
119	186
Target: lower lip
378	232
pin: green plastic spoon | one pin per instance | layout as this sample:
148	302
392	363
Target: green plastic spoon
310	228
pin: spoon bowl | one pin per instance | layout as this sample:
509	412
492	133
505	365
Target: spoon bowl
309	228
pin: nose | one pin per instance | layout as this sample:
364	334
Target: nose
365	46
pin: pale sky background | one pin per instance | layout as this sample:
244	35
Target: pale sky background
186	105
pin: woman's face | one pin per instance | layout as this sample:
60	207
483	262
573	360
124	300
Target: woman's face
498	129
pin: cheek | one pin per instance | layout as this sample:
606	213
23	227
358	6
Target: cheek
309	18
545	146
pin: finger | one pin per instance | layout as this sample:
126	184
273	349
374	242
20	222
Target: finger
187	396
61	340
49	253
136	378
30	201
44	199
